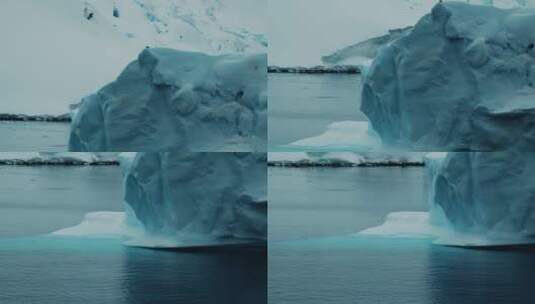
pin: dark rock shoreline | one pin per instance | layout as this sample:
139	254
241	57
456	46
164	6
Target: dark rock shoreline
64	118
320	69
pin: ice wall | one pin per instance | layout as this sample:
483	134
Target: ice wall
169	100
198	197
486	193
463	79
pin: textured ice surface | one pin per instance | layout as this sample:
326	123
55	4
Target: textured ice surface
168	100
463	79
196	198
489	193
475	199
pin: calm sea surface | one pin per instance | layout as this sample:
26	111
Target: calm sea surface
36	268
313	258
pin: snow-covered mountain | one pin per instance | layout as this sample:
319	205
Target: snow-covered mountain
55	52
302	31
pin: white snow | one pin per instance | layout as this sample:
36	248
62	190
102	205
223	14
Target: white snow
52	56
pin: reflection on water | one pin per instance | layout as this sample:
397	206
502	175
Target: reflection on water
234	276
303	105
33	136
70	270
314	258
476	276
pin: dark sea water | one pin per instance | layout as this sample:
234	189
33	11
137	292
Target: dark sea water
313	258
33	136
38	268
303	105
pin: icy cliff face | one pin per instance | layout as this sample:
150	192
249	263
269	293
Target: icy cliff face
170	99
199	197
487	193
463	79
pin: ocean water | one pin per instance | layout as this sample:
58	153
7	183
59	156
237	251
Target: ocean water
33	136
314	256
38	268
303	105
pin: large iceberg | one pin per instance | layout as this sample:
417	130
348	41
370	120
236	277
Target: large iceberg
174	100
490	194
197	198
462	79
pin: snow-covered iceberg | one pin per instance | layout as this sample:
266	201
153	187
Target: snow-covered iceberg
462	79
192	199
169	100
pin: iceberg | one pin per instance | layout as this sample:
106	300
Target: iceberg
487	193
193	199
175	100
462	80
476	199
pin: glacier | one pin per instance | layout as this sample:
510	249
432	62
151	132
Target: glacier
462	79
197	198
176	100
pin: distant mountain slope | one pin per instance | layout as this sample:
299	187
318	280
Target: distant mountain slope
302	31
55	52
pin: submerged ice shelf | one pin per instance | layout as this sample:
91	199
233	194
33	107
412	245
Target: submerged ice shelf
476	199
